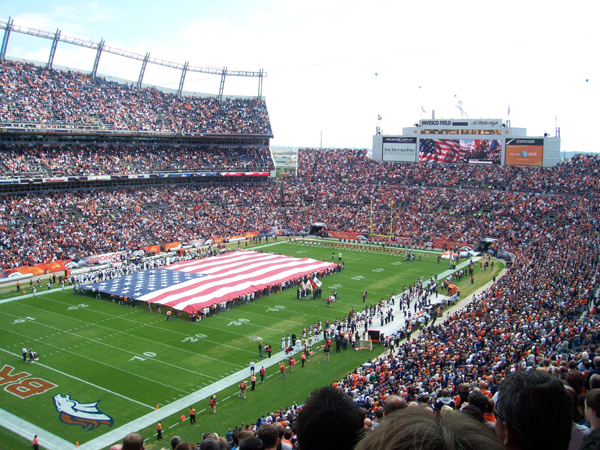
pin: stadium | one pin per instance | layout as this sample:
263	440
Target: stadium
154	258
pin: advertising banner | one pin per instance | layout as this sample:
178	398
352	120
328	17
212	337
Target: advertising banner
398	148
104	258
524	152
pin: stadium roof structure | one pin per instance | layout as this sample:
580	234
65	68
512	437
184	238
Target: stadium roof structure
101	46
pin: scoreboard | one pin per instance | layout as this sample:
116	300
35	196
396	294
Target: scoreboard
477	141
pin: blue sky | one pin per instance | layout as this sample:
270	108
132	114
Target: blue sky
322	57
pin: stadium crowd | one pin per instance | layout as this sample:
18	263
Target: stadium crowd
537	324
66	225
40	97
518	358
54	160
37	228
521	358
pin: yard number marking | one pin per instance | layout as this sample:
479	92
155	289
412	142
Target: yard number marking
146	354
23	320
238	322
81	305
195	338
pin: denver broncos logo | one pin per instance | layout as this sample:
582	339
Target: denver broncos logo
87	415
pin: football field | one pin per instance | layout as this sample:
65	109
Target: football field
106	369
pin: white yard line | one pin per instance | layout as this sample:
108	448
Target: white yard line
99	341
83	381
96	361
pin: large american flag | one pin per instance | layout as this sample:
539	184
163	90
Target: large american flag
441	150
193	285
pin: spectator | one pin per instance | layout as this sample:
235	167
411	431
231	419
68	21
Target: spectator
418	429
269	436
133	441
328	409
527	403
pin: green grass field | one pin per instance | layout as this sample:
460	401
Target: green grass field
131	360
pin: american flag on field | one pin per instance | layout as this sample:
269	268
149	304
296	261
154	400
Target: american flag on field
440	150
193	285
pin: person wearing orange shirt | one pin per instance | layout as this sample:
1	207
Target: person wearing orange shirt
35	443
192	415
159	431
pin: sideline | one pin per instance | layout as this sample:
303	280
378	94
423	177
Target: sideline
172	408
24	296
52	442
28	430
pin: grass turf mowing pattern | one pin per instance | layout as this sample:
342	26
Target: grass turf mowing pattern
133	360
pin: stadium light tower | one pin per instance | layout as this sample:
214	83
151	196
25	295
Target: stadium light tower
97	60
260	83
53	48
222	85
7	29
182	80
143	70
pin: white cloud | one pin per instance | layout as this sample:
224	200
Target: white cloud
260	16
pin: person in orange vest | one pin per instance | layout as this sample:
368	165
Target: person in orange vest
192	415
253	382
159	431
168	315
35	443
243	387
303	358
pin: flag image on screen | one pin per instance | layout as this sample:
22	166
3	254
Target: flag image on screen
440	150
192	285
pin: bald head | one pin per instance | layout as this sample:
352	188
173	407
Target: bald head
597	362
133	441
393	403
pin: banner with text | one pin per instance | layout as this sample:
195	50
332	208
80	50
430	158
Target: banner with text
398	148
524	152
